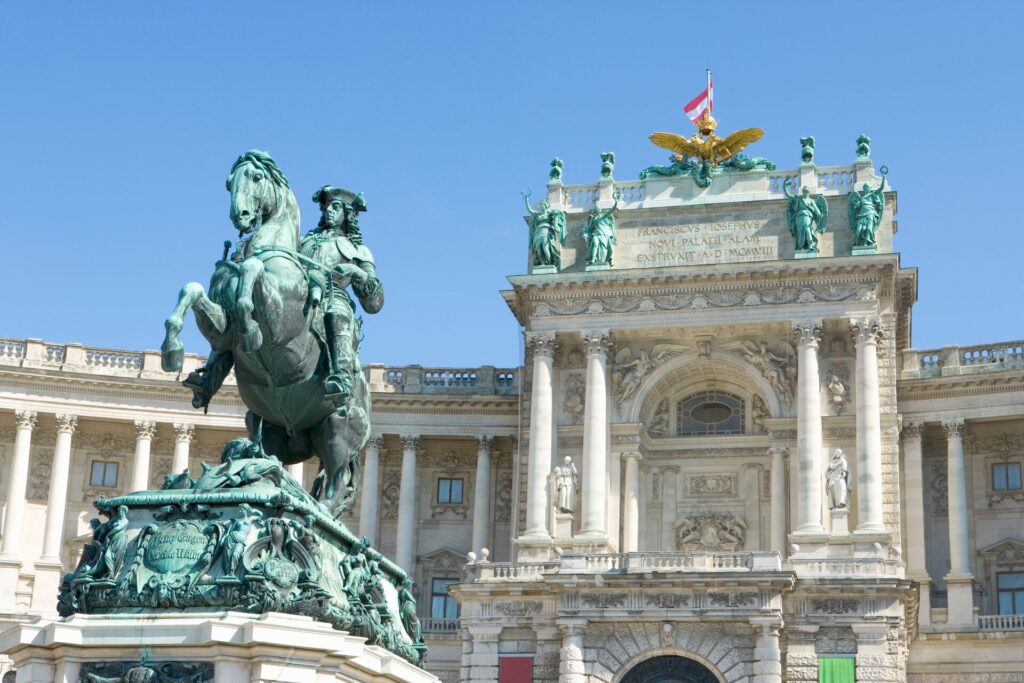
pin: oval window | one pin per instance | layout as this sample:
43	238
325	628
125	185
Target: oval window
709	412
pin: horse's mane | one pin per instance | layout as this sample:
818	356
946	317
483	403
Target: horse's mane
262	161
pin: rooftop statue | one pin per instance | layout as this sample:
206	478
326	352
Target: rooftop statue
865	212
708	150
807	216
599	231
298	374
547	233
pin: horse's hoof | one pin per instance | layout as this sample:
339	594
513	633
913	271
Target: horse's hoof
172	355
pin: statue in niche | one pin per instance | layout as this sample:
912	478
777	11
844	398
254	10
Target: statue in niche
807	216
838	392
547	233
865	213
607	164
575	396
711	531
837	480
599	231
567	485
659	421
556	169
807	149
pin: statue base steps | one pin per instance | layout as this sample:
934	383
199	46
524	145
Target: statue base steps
225	647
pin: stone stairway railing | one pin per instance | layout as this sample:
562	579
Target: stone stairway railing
962	360
409	379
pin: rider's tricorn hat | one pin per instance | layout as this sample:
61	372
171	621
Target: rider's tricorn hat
327	193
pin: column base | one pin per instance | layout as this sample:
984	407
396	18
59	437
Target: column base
10	570
49	573
534	548
924	597
960	599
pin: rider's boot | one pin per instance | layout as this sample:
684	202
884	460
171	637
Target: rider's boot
338	385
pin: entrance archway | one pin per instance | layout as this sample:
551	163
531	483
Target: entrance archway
669	669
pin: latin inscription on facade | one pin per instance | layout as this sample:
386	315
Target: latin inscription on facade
699	243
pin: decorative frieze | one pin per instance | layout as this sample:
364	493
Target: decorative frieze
711	531
145	671
711	485
834	606
668	600
519	608
603	600
732	598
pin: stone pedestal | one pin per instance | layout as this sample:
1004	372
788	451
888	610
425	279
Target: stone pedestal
563	525
225	647
840	522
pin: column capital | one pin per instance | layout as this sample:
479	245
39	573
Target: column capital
780	451
670	469
911	431
954	428
573	627
145	429
183	432
410	442
865	330
66	423
542	344
807	332
630	455
376	441
25	419
596	342
484	443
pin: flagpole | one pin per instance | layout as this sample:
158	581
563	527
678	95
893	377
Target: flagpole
709	91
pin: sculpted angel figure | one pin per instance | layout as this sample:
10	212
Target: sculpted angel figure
771	365
599	231
865	213
807	216
838	481
547	233
631	370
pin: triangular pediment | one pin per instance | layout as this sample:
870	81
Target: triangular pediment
1007	553
444	558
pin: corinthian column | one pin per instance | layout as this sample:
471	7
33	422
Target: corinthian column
913	494
869	430
808	431
15	508
406	541
482	493
183	434
143	440
595	438
778	500
541	416
53	535
369	504
959	582
631	506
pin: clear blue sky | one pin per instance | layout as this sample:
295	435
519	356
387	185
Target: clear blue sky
119	122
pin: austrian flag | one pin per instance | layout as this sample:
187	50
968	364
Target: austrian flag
701	103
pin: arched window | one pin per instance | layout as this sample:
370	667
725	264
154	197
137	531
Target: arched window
709	412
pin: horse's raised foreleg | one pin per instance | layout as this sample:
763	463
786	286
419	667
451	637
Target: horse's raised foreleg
251	270
172	351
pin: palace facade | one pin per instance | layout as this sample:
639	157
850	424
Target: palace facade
659	487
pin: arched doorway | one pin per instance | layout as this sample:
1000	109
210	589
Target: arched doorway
669	669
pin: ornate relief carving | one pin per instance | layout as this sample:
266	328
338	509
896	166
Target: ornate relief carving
184	431
603	600
448	462
911	431
1004	443
106	442
736	599
668	600
439	510
161	468
575	395
596	342
712	484
632	367
834	606
145	429
835	641
774	360
570	442
675	302
541	343
658	426
953	429
39	476
518	608
783	434
711	531
25	418
758	414
389	494
937	487
503	498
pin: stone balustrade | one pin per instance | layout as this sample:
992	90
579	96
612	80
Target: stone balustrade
845	567
1001	622
962	360
412	379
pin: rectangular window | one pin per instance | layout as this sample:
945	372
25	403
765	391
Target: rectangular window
449	491
836	670
442	605
103	474
1006	476
1010	589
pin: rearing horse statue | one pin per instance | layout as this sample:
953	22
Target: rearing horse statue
260	318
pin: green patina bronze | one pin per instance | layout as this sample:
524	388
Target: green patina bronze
865	212
863	146
807	216
556	169
245	535
145	671
547	233
607	164
807	149
703	172
599	232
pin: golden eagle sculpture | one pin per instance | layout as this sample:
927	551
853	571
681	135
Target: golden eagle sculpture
711	148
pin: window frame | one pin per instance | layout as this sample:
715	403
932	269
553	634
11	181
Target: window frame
709	395
106	468
445	596
1016	594
1007	468
450	481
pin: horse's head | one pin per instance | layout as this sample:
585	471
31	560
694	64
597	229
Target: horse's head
258	190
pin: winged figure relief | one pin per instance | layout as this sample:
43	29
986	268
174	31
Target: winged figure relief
773	360
631	369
